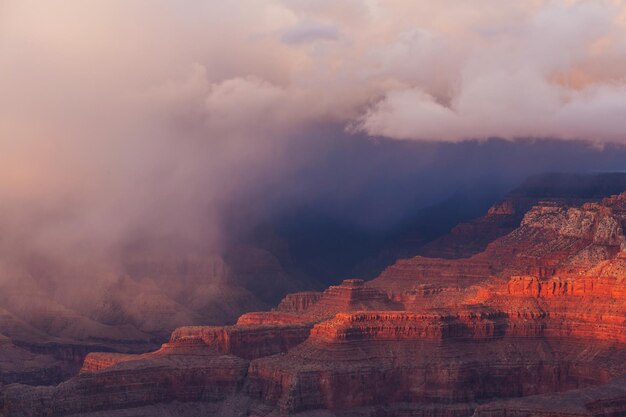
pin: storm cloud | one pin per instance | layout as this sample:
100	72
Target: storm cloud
178	120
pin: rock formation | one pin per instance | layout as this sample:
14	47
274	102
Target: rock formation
134	301
472	237
48	326
535	325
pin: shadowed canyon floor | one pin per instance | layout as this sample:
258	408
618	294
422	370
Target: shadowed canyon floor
534	325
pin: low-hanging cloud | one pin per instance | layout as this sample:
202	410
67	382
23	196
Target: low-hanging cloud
157	118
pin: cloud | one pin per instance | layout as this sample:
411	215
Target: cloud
159	118
535	74
309	32
497	68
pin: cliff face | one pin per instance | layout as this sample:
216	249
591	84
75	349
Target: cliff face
54	314
152	287
163	378
567	190
533	325
551	239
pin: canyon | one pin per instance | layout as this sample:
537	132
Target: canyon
532	323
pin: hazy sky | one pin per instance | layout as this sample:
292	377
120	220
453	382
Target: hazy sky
146	115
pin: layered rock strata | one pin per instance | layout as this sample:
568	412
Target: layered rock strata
533	325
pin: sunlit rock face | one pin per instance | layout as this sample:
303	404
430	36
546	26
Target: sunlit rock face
533	325
60	310
566	190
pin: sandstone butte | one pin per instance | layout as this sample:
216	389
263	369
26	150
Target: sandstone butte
535	325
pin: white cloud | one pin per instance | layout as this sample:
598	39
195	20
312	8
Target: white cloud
102	99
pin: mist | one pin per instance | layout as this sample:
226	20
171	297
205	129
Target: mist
160	130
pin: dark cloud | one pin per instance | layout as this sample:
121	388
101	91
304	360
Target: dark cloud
196	123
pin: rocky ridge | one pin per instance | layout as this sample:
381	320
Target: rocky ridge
533	325
153	286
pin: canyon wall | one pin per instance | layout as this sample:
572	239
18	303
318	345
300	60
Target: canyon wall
533	325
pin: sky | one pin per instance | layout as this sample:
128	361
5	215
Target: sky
165	118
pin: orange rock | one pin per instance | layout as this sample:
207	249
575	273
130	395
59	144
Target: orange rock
533	325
